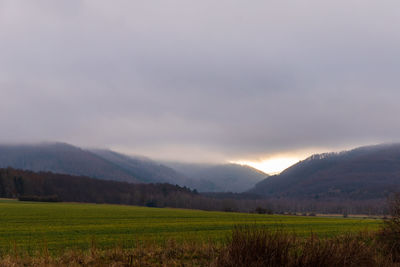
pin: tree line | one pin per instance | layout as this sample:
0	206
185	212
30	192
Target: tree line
47	186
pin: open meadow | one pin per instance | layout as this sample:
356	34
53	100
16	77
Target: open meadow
32	225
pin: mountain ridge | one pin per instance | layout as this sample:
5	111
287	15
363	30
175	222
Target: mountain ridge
362	173
61	158
110	165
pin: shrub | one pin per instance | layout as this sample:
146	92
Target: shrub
52	198
261	210
151	204
254	246
389	235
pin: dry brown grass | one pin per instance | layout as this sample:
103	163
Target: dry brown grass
170	253
255	247
248	246
389	234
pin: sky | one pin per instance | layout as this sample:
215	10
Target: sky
257	82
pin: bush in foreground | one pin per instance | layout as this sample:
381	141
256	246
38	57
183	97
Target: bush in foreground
253	247
389	235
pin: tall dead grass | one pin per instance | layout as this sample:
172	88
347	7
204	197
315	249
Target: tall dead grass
170	253
250	246
389	234
253	247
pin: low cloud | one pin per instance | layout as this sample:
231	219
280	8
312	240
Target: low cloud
200	80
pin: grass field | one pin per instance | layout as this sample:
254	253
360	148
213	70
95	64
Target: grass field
31	225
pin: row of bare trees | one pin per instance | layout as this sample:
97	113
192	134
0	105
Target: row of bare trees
25	184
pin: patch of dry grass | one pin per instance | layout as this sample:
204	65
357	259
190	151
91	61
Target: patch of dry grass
250	246
170	253
253	247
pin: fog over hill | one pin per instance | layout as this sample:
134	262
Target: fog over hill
61	158
371	172
220	178
144	169
109	165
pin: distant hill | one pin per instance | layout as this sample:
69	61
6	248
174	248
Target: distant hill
144	169
371	172
109	165
220	178
62	158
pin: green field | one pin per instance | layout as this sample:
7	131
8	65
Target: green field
32	225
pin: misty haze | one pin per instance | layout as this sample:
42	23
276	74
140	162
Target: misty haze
194	128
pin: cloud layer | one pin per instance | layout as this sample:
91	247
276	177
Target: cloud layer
200	80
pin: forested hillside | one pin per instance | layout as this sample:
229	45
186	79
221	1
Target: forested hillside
61	158
106	164
144	169
18	183
364	173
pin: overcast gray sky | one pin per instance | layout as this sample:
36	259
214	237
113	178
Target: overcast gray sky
200	80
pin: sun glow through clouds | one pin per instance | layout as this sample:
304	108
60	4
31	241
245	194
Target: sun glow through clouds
271	165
